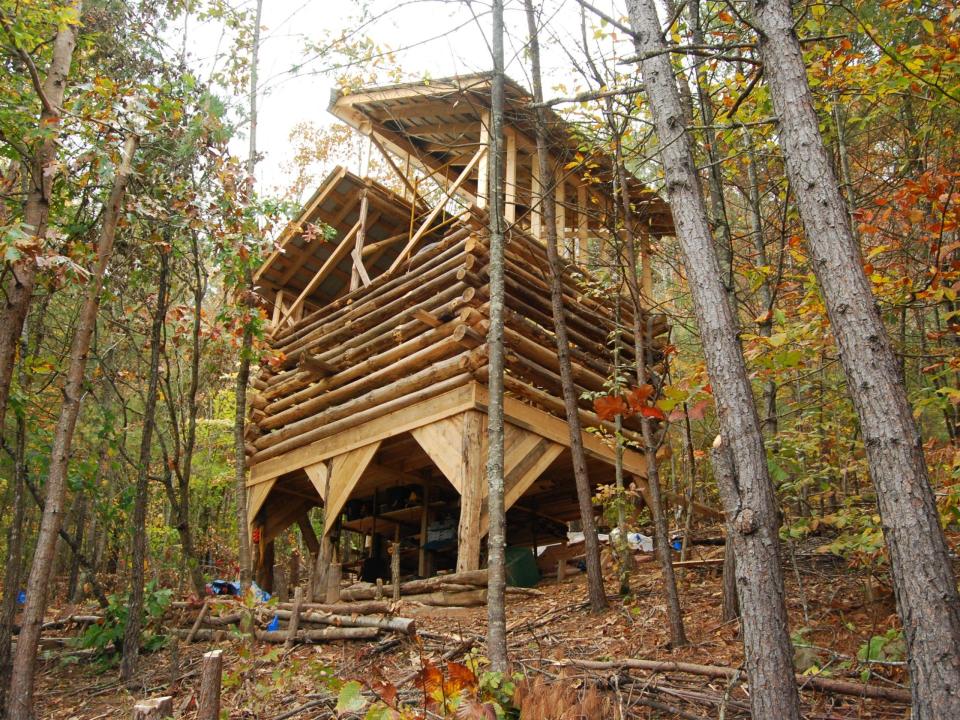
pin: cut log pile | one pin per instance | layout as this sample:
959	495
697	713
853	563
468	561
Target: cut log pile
411	336
299	622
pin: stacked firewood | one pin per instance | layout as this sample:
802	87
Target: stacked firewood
411	336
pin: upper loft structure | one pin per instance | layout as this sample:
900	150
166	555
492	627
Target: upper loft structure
375	407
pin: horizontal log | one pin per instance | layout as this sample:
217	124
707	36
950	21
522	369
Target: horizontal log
374	607
453	244
407	626
421	380
360	417
477	578
324	395
457	599
318	636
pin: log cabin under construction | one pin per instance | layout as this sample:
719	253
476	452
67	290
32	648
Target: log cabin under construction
375	406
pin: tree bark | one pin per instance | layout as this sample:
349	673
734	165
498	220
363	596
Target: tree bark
596	591
924	583
496	537
21	686
19	289
752	508
131	634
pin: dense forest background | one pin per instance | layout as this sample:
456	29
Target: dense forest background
152	454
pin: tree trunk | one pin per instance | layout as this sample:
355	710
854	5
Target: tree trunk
753	510
21	687
924	582
496	539
131	634
19	289
641	342
246	346
723	474
14	564
596	591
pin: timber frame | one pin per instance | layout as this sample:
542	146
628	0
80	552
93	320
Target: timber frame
374	406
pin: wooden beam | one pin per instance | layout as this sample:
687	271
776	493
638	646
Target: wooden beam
437	208
524	462
400	421
345	472
297	225
404	177
483	170
256	496
358	270
510	177
309	536
583	224
319	474
473	478
536	198
331	262
442	441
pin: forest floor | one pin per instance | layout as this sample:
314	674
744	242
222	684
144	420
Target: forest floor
834	611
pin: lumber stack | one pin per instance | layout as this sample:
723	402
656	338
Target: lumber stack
412	335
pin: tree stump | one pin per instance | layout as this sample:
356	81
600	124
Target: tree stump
210	677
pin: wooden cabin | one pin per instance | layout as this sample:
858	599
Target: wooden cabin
374	408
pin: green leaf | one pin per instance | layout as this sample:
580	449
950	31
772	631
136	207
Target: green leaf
351	698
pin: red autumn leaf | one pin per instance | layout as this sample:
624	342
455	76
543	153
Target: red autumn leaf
638	396
430	678
653	412
460	677
608	407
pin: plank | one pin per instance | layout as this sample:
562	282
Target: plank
441	441
319	474
345	472
553	428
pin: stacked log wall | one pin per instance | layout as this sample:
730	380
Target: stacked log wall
413	336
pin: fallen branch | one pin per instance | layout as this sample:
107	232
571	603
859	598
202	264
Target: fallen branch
842	687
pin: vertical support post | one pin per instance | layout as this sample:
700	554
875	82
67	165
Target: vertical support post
294	623
211	675
510	177
395	568
358	243
483	169
561	569
278	307
333	583
645	265
472	479
422	570
536	212
583	223
561	214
